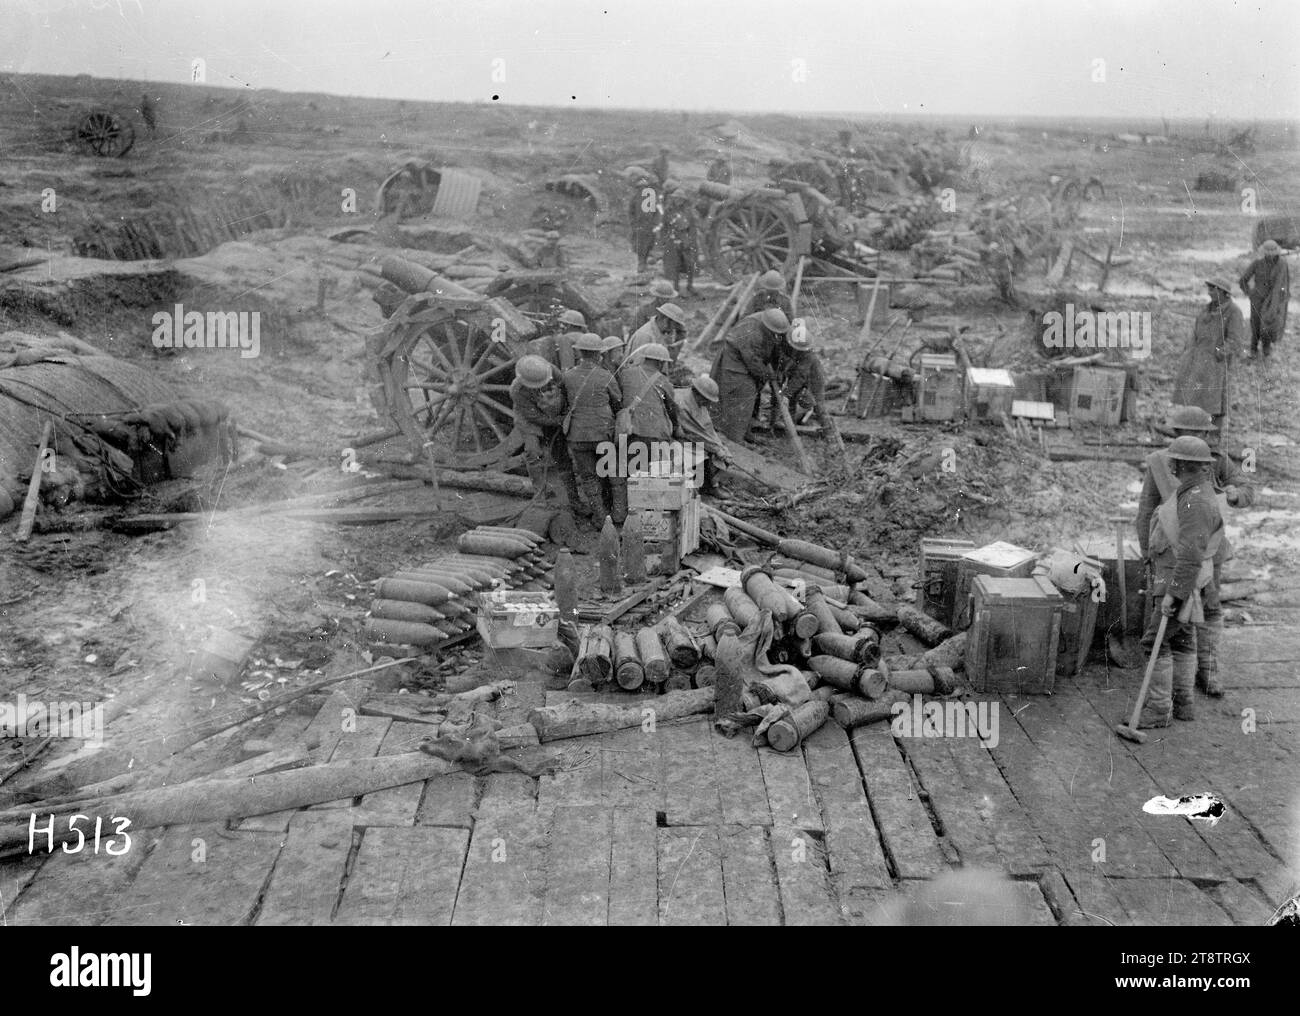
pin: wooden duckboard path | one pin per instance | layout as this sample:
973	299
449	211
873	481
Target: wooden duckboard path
680	826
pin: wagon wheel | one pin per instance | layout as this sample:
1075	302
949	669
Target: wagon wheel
751	235
816	176
447	385
543	302
104	134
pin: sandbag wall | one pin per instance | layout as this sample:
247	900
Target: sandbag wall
427	604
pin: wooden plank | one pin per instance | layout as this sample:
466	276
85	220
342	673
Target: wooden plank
175	887
690	878
395	806
1168	902
1242	903
852	841
904	823
293	728
363	741
1283	674
448	801
308	874
513	709
1021	849
1271	705
507	794
405	877
1035	910
790	797
691	793
954	803
76	889
803	878
578	873
863	907
504	881
1256	643
736	767
1096	902
748	877
633	874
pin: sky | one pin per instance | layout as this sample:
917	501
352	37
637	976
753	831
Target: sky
1087	58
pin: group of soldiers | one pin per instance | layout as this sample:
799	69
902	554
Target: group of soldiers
661	212
576	395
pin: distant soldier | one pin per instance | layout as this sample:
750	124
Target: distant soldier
679	237
744	365
649	410
642	216
558	349
770	292
537	396
661	291
660	165
1235	488
148	114
1204	371
594	400
695	424
1184	538
667	327
719	171
1268	284
799	370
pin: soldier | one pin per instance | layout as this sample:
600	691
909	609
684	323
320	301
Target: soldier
719	171
661	291
667	327
537	396
1235	488
558	349
770	292
799	370
642	216
649	409
1203	373
612	354
744	365
594	400
1185	534
148	113
695	424
679	237
1268	284
660	165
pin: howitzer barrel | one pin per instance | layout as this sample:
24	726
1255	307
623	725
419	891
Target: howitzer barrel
413	278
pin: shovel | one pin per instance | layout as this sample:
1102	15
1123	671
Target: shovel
1121	653
1129	731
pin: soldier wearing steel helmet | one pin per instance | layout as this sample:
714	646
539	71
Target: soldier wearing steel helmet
643	213
667	327
799	370
770	292
594	401
1235	489
679	236
1204	373
651	412
538	399
558	349
744	365
1184	537
661	291
1267	282
695	424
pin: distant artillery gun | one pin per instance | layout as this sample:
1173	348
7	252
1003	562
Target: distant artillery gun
105	134
1284	229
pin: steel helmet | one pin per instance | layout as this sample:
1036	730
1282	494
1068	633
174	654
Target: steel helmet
1190	418
669	186
705	387
663	289
1270	247
573	317
1220	282
611	342
636	173
673	313
533	371
655	351
589	342
1190	449
772	279
774	320
798	337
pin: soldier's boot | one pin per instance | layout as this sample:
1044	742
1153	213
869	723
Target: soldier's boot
590	497
574	496
618	501
1207	657
1156	709
1184	686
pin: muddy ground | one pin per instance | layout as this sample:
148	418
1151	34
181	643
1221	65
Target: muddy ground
94	615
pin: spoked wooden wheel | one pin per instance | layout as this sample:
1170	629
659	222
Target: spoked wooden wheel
447	383
816	176
104	134
751	235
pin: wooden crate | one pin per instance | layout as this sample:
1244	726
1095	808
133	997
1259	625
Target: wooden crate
940	389
667	484
877	394
1096	396
513	619
1078	625
989	394
938	586
1001	560
1102	550
1014	634
672	526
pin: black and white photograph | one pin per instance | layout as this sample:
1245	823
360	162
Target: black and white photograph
827	463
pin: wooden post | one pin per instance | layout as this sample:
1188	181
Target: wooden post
28	518
715	322
805	463
734	316
798	281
